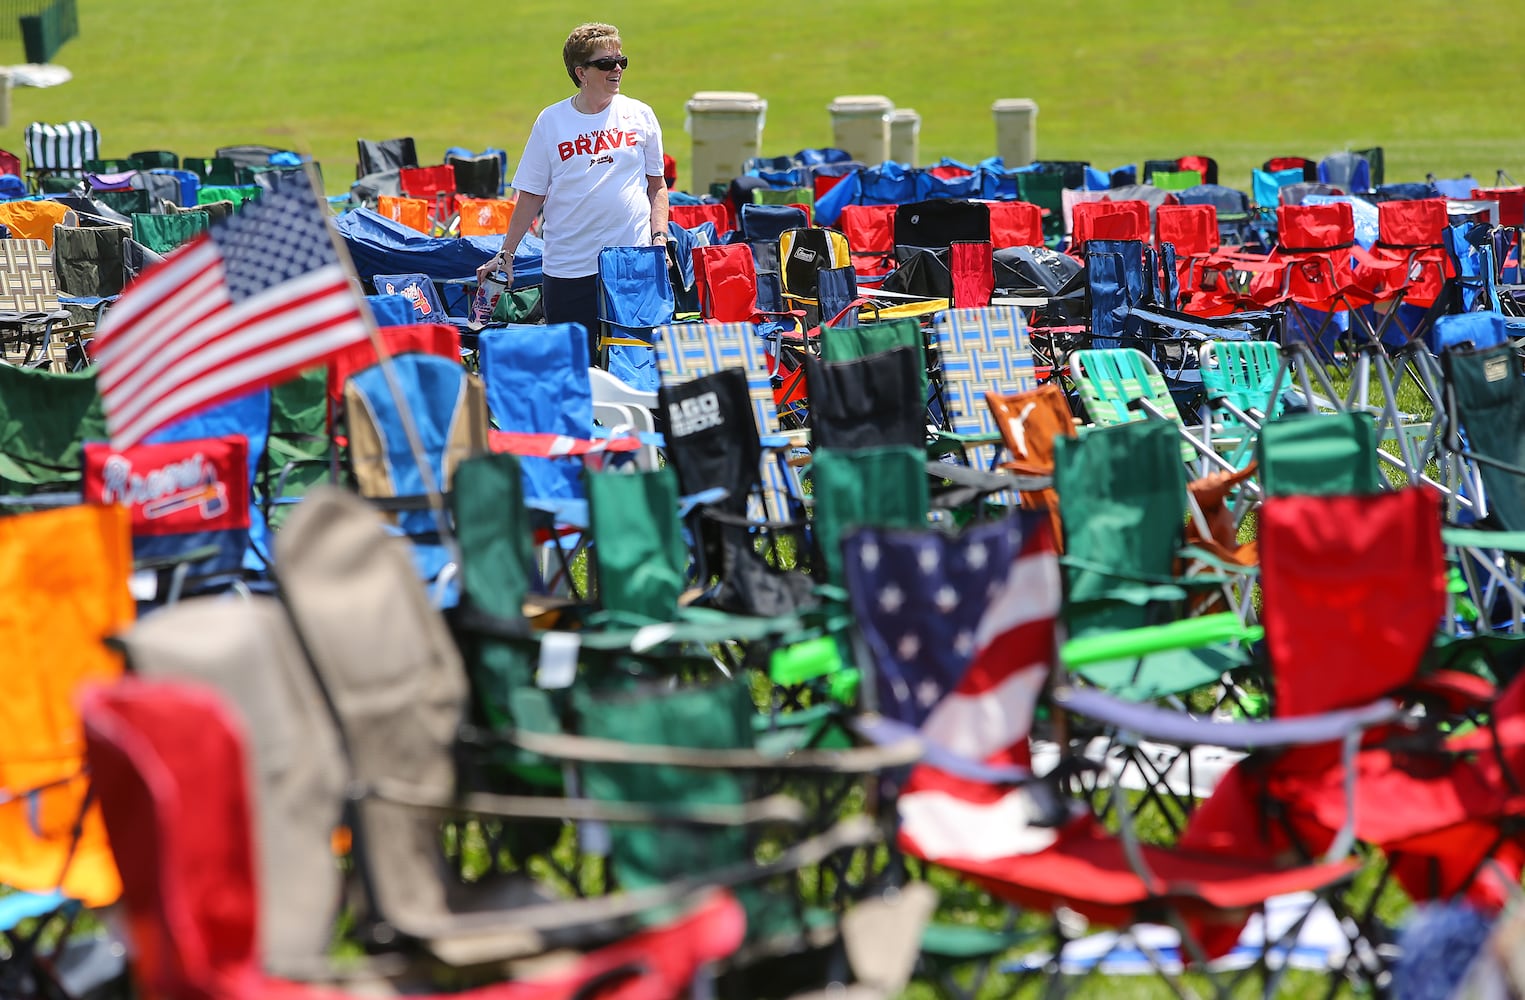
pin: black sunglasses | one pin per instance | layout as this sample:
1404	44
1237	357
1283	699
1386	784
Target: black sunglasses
605	65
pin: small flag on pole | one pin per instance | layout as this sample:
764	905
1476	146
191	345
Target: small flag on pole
259	297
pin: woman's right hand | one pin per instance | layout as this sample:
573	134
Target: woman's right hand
498	262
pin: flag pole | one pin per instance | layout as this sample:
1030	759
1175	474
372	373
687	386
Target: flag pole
433	491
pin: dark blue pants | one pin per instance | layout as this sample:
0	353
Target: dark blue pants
573	300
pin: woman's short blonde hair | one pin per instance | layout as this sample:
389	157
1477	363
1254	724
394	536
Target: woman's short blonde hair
585	40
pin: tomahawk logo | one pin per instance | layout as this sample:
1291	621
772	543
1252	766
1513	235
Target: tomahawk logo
690	416
414	295
166	490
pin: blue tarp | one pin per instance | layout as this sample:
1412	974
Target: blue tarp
380	246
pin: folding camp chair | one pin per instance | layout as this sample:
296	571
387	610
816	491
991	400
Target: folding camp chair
713	442
45	420
803	255
726	281
1109	220
690	350
435	185
157	741
37	330
65	575
447	408
59	150
870	232
405	749
635	294
1046	190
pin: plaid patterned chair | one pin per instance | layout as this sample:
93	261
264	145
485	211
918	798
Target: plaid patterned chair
981	351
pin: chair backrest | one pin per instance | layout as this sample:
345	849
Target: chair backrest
693	216
296	760
640	555
1246	373
169	762
764	224
65	573
689	350
881	487
165	233
867	402
1347	171
182	495
1015	224
88	261
635	294
46	418
1489	399
869	228
216	170
426	182
1175	180
1107	380
386	154
61	146
1109	220
448	410
1266	185
981	351
725	279
478	176
358	604
1313	228
1354	590
149	159
938	222
27	283
1319	454
971	272
418	288
1122	495
1411	225
10	163
1192	229
1304	166
537	382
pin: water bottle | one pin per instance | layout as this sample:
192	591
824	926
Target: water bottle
488	292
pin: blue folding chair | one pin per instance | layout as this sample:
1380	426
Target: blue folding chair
634	295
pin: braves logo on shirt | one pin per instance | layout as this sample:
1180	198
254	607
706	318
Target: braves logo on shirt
596	142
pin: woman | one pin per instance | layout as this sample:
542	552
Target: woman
593	165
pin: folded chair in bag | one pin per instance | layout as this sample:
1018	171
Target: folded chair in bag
634	295
159	742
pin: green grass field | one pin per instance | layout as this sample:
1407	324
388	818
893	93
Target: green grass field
1437	84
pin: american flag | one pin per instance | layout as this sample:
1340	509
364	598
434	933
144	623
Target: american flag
259	297
961	633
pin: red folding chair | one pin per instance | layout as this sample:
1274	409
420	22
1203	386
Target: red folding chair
435	185
870	232
1108	220
1015	224
1193	231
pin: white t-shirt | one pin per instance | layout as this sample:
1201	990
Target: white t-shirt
592	170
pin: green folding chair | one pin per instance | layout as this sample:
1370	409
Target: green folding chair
45	420
1046	190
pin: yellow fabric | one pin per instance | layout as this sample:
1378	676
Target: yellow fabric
411	212
484	216
63	590
32	220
